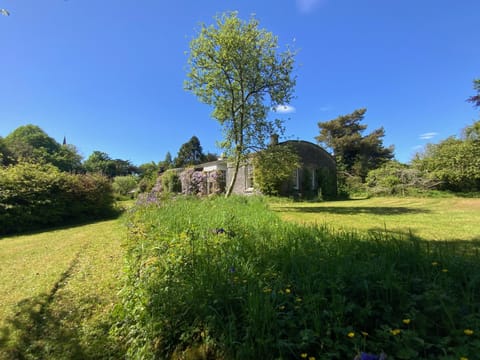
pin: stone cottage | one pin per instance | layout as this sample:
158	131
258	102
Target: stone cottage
316	176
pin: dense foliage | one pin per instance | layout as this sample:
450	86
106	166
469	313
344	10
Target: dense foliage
454	163
394	178
29	143
101	162
272	167
475	99
235	67
34	196
190	153
124	185
226	278
355	152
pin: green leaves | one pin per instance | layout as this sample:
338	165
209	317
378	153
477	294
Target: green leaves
235	68
34	196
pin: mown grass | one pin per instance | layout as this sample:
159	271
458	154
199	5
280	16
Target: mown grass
57	290
228	279
426	218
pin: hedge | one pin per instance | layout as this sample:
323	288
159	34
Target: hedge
34	196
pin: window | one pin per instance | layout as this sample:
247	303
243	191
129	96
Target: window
296	179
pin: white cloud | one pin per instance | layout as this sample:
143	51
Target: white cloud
306	6
428	136
284	109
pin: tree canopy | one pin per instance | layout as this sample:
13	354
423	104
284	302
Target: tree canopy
454	162
355	152
190	153
31	144
101	162
475	99
235	67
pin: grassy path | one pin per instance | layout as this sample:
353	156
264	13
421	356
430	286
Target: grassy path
57	289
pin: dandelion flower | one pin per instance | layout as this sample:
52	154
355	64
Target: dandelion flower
351	334
434	263
463	358
406	321
395	332
288	291
304	355
444	270
468	332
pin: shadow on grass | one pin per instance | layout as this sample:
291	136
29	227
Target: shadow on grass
352	210
460	247
70	224
41	330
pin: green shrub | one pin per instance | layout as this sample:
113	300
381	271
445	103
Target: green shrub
226	278
34	196
123	185
171	182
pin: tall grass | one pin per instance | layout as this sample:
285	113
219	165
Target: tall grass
227	279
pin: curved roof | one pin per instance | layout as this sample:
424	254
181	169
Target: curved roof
325	153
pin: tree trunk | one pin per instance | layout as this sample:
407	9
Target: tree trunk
234	177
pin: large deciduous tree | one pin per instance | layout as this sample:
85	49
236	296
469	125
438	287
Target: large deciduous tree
31	144
101	162
235	67
354	152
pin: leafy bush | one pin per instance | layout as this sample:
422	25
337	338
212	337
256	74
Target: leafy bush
394	178
171	182
273	167
123	185
226	278
453	163
33	196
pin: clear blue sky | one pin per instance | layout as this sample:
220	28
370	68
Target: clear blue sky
109	74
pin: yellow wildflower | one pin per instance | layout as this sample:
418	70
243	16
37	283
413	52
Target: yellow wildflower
298	299
287	291
351	334
444	270
468	332
395	332
304	355
311	358
364	333
463	358
434	263
406	321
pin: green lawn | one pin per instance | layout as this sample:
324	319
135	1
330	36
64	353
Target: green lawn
426	218
57	289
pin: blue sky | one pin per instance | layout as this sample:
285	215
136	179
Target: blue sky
109	75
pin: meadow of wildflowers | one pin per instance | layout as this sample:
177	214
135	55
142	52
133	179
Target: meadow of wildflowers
227	279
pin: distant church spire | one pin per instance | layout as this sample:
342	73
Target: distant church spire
64	140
